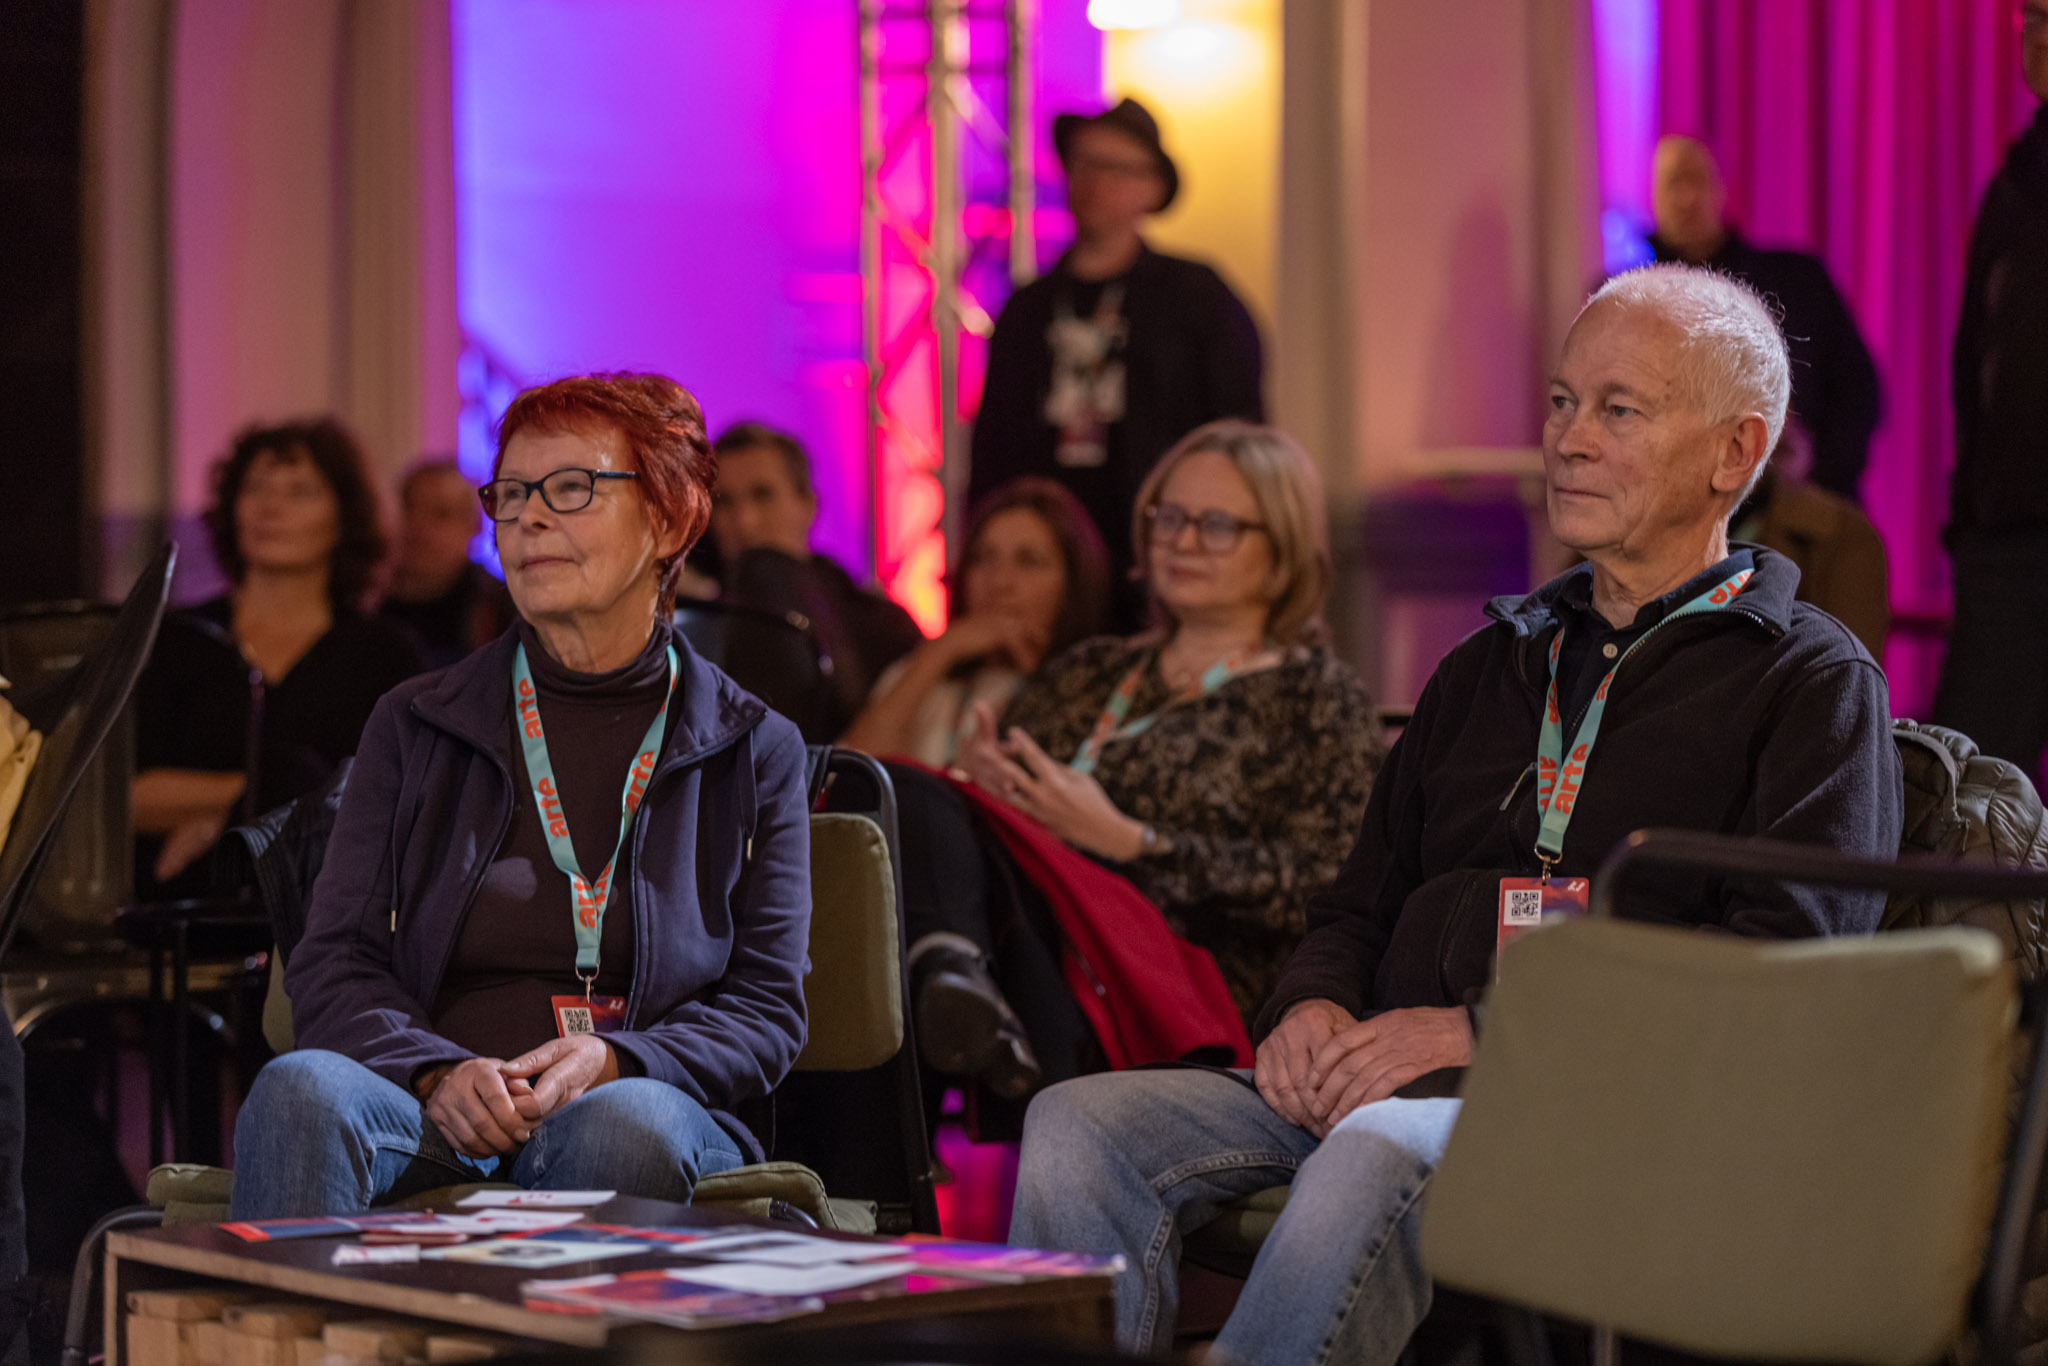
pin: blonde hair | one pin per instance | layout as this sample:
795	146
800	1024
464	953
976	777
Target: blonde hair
1289	494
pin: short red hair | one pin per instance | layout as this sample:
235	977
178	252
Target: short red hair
663	429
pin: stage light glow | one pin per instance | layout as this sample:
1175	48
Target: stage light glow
1193	56
1132	14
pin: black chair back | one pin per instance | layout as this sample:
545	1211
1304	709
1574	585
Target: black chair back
89	869
772	657
76	712
885	1155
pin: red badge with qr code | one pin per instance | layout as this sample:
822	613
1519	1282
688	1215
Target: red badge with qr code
1525	901
598	1015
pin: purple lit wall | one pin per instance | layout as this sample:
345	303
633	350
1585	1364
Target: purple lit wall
1625	107
675	186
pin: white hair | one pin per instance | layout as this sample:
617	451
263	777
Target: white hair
1731	357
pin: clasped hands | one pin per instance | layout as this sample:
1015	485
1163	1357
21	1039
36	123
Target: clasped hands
486	1107
1069	803
1320	1062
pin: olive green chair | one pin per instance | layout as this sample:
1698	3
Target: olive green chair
1787	1151
1738	1148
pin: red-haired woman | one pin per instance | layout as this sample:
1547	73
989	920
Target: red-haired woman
560	934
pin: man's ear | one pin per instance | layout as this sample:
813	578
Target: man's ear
1741	450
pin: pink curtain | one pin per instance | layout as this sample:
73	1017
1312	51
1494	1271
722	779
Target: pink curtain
1865	131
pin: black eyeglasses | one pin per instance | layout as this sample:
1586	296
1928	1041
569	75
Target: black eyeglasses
563	490
1216	531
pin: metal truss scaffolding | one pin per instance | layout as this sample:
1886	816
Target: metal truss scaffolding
947	201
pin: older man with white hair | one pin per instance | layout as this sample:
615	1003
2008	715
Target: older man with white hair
1671	680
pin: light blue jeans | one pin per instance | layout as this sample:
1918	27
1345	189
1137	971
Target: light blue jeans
322	1134
1130	1162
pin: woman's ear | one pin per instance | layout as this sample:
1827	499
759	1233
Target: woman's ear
669	539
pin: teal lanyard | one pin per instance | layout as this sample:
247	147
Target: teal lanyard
586	898
1110	725
1558	778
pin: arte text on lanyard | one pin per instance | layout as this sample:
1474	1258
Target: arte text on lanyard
1558	775
587	896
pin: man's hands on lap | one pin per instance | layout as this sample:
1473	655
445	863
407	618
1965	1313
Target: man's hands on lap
1371	1059
487	1107
1287	1057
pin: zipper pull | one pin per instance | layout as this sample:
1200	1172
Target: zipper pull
394	918
1520	778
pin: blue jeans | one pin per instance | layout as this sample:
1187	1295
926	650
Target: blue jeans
1130	1162
323	1134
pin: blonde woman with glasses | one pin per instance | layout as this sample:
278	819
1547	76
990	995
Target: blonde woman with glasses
1214	769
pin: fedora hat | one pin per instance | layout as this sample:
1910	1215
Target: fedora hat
1132	120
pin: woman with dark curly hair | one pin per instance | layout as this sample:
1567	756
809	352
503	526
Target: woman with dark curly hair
275	678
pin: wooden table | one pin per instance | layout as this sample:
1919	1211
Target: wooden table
1074	1311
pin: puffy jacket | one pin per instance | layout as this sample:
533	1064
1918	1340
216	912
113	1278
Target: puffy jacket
1965	804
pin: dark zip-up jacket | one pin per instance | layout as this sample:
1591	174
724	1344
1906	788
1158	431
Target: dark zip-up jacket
720	883
1766	718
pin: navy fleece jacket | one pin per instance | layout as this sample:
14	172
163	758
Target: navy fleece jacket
720	885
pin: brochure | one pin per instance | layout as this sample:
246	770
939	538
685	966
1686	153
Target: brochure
402	1221
772	1248
523	1199
533	1252
272	1230
658	1297
998	1261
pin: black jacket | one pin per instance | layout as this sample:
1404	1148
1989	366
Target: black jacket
2000	362
1834	382
1764	719
860	630
1191	356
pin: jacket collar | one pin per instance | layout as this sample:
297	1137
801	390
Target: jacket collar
1768	595
472	700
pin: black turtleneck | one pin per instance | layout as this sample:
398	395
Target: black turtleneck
517	946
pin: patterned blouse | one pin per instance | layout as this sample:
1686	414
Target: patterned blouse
1259	788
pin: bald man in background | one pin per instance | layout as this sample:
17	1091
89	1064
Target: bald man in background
1834	383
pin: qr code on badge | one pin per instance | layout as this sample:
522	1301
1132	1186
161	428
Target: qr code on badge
576	1020
1524	907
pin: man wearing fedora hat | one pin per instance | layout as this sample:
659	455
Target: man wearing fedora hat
1096	368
